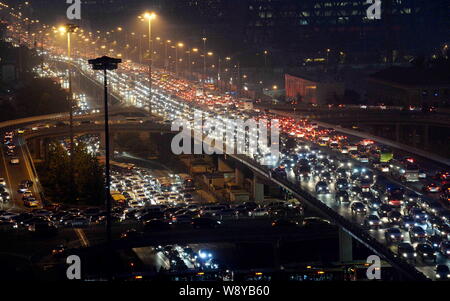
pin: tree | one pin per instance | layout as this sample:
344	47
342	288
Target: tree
88	176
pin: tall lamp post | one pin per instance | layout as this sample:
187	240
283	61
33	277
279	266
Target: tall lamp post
166	58
68	29
204	59
105	63
150	17
179	45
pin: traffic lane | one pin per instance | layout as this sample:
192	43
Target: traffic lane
4	173
248	229
344	210
18	173
385	179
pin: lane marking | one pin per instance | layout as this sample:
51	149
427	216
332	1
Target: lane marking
12	194
82	237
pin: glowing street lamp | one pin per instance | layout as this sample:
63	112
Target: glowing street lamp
150	16
104	64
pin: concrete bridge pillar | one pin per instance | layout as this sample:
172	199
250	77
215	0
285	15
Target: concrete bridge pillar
258	190
239	176
345	246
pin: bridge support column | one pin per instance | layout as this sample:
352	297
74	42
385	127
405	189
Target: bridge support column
258	190
345	246
239	177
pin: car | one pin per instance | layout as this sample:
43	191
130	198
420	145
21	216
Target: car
426	252
434	241
258	212
384	210
156	225
2	182
14	161
442	272
58	250
22	188
31	202
341	184
355	191
322	188
79	222
444	248
445	216
436	208
92	211
358	208
284	223
205	223
43	228
366	197
406	250
375	203
407	222
342	196
411	196
131	234
393	235
182	218
27	183
372	222
443	230
4	196
417	233
419	215
431	188
394	217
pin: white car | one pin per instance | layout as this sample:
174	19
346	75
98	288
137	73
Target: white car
258	212
2	182
14	161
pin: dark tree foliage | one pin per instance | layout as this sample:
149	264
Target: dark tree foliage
88	176
28	95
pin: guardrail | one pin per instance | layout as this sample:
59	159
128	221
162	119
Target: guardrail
387	142
359	234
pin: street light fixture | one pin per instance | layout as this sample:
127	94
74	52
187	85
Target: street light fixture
204	59
179	45
150	16
68	29
106	63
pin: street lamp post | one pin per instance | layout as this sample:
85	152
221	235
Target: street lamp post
106	63
179	45
150	17
204	59
166	59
